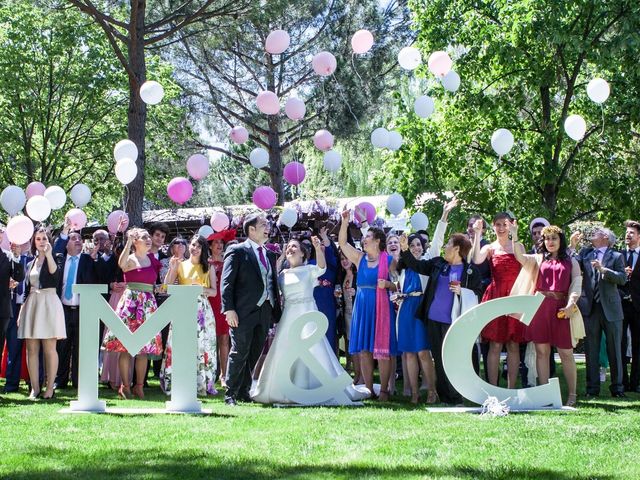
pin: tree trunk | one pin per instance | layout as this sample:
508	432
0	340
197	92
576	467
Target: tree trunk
137	113
275	159
550	198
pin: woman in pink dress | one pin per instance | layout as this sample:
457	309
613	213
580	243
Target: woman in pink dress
504	330
140	270
217	243
557	276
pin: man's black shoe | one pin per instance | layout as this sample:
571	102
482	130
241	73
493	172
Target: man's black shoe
230	401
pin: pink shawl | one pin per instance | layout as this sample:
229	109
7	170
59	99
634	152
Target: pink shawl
383	315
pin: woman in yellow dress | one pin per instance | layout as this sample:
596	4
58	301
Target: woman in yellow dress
195	271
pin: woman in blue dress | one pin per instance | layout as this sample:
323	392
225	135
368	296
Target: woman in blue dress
413	339
373	330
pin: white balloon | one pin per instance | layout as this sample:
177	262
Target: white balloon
126	170
395	203
502	141
288	217
332	161
395	141
451	81
424	106
380	138
151	92
575	126
205	231
125	149
13	199
56	196
598	90
80	195
419	221
38	208
259	157
409	58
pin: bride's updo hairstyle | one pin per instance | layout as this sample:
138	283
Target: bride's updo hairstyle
304	248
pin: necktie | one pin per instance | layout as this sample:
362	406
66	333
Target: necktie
263	260
71	275
596	287
630	258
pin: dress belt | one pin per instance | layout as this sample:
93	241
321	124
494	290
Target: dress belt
140	287
556	295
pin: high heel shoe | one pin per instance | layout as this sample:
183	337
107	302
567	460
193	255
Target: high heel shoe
53	394
138	391
124	392
432	397
34	396
572	400
383	396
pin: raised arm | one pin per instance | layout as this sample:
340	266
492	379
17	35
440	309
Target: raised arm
478	253
123	261
321	261
423	267
349	251
438	235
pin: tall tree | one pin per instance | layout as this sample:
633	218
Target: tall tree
524	66
131	31
224	74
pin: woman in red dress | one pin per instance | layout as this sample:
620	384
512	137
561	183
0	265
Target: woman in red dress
558	277
217	243
504	330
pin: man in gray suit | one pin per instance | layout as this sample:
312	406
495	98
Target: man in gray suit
602	271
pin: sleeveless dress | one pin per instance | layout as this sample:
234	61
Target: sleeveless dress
546	327
412	332
222	327
324	295
297	287
133	308
190	274
363	320
504	271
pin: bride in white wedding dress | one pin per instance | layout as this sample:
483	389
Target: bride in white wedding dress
300	367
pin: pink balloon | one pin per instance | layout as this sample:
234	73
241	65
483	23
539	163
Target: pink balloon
219	221
198	166
19	229
113	220
77	218
362	41
323	140
268	103
35	188
264	197
324	64
369	210
295	108
180	190
439	63
294	173
277	42
239	135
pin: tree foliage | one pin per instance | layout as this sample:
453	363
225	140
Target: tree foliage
525	66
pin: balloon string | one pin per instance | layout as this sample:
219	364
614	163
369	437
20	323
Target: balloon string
345	100
353	65
602	111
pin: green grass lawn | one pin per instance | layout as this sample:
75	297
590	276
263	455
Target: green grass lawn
395	441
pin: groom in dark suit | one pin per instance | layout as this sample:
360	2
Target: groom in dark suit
250	302
602	272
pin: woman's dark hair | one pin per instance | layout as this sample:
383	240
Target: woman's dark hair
204	251
562	251
461	241
417	236
501	216
378	234
33	239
